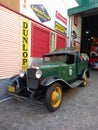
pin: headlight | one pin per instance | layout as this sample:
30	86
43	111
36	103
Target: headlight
38	74
21	74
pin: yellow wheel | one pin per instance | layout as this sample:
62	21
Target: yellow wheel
85	80
54	97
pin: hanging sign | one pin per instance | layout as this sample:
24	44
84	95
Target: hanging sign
60	28
61	18
41	12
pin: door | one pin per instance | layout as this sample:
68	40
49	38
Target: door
70	67
40	41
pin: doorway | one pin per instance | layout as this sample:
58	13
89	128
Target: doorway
89	32
89	38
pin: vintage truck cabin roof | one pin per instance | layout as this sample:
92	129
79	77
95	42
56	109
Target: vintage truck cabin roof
61	52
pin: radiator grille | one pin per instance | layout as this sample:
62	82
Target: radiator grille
32	81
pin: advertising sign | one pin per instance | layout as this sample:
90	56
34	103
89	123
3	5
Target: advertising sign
61	18
41	12
52	46
60	28
25	38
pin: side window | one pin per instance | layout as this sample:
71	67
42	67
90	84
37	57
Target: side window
70	59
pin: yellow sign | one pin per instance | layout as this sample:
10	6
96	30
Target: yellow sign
60	28
25	42
52	47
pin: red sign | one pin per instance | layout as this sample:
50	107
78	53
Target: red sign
60	17
76	20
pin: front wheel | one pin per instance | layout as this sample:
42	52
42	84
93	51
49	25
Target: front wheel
53	97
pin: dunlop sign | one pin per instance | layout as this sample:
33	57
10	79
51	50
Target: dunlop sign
25	38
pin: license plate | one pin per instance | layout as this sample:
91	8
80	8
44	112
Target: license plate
11	89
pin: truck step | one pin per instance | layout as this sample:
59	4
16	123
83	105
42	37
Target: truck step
76	83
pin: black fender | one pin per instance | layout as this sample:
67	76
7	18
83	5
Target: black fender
86	71
15	80
50	80
21	82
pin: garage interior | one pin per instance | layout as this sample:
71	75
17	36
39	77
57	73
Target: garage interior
89	32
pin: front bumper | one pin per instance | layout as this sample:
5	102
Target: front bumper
22	98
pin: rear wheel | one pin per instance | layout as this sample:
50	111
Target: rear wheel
53	97
85	80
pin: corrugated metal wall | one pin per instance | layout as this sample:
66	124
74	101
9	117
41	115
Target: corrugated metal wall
12	4
9	43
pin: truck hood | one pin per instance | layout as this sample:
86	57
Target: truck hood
50	70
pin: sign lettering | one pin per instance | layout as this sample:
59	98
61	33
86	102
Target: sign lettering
60	28
41	12
61	18
25	35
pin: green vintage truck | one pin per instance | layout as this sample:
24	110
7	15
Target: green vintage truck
59	70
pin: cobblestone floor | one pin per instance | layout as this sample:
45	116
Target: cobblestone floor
78	111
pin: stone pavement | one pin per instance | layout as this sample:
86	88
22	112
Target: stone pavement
3	87
78	111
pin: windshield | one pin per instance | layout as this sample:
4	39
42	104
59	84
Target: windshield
54	58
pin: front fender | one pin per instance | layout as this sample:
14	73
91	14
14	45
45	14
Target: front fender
50	80
19	81
15	80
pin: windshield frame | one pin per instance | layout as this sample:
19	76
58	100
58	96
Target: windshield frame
54	58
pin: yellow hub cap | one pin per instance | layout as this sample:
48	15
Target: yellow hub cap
56	97
85	80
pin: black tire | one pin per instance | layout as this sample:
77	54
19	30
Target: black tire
53	97
85	80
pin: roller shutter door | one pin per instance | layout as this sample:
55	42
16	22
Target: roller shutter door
9	43
40	42
60	42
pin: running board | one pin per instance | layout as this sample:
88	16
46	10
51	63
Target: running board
76	83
